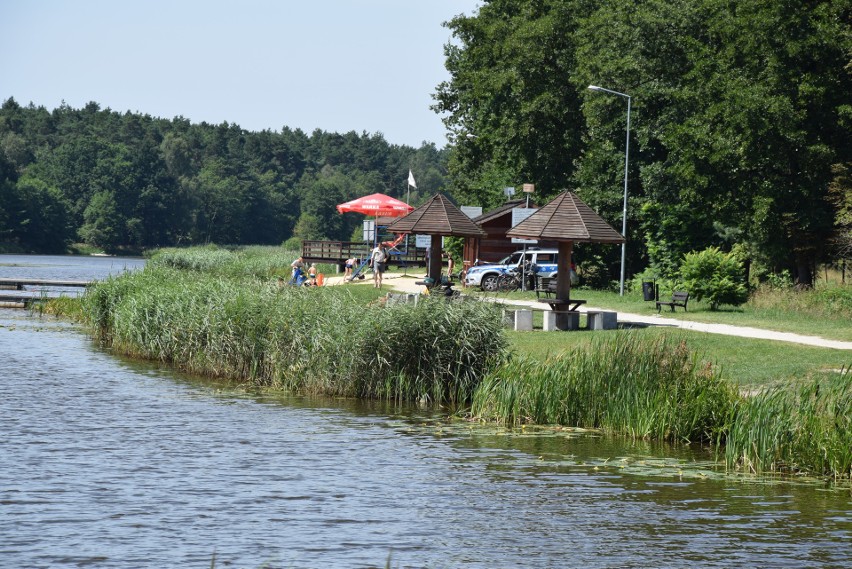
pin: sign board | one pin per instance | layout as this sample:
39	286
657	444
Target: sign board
471	210
529	188
425	241
509	191
369	230
518	215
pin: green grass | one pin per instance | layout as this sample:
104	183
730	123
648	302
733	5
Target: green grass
823	312
746	362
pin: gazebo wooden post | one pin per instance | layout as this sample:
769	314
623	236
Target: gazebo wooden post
435	259
563	280
565	219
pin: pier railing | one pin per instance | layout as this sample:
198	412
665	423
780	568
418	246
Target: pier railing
337	252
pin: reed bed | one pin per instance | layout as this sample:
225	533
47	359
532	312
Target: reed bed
304	340
245	262
793	430
654	388
618	383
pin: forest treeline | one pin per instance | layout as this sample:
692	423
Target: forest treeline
129	181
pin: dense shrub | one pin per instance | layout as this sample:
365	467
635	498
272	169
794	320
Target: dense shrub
715	276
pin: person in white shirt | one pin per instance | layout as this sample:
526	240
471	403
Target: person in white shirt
378	260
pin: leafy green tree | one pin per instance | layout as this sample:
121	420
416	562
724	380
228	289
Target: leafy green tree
309	228
738	116
841	194
104	226
716	276
513	112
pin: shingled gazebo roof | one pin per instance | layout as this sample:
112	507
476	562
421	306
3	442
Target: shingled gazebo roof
566	218
438	216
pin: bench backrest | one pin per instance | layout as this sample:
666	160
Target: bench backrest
680	296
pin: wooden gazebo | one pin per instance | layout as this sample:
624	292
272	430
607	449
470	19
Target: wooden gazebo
565	219
437	217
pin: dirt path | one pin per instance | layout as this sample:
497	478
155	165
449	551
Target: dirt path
403	283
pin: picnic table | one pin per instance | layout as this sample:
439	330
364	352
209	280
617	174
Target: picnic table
563	304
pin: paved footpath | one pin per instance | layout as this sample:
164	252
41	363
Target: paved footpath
402	283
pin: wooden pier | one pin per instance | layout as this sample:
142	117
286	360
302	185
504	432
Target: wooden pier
337	252
23	292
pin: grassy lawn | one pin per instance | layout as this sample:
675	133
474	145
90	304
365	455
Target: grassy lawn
745	361
789	317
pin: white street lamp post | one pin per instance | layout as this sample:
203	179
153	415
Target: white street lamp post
626	159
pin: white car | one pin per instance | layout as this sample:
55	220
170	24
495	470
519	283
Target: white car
486	276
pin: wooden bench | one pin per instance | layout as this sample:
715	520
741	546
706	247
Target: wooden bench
545	286
679	298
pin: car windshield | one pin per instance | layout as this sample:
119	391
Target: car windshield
514	259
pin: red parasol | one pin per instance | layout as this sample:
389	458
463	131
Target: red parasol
377	205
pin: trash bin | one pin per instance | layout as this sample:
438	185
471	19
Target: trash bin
649	290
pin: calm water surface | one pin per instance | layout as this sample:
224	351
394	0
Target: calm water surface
111	463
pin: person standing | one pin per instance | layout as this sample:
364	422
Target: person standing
378	260
312	274
297	271
350	265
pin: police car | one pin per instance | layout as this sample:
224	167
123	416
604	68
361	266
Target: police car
486	276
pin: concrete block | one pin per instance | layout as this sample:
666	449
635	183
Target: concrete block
601	320
549	321
523	320
567	320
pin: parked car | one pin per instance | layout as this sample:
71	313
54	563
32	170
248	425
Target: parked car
486	276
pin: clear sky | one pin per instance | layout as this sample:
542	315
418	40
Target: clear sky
336	65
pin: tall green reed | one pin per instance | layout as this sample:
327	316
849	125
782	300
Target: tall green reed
306	340
627	384
802	429
242	262
619	383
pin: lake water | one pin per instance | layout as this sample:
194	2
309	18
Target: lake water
106	462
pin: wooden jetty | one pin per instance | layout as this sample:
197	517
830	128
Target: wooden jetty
337	252
23	292
19	284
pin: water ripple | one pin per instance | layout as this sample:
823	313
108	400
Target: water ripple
110	464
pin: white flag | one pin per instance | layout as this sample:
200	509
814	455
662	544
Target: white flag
411	180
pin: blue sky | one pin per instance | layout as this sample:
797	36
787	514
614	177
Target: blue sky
337	65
